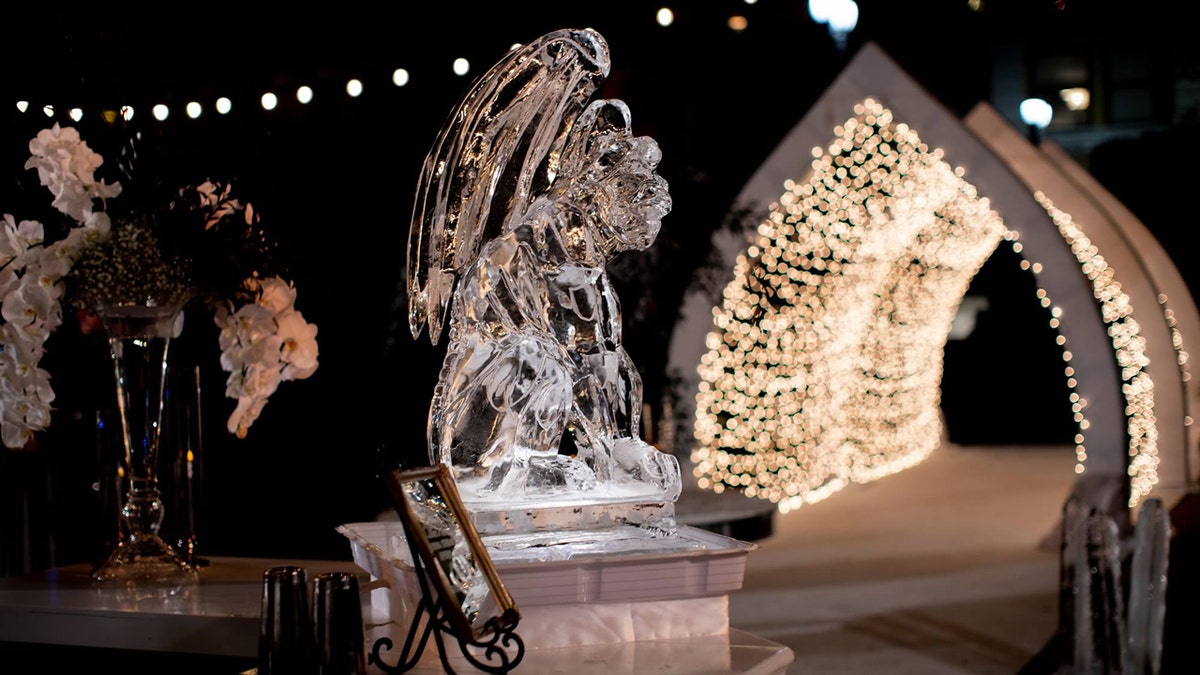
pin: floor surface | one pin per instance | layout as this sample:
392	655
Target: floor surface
948	567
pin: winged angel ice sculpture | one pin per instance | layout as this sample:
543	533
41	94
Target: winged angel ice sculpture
529	191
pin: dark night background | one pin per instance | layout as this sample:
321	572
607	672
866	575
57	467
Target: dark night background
335	180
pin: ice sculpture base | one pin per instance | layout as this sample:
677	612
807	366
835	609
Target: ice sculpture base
631	504
626	586
517	518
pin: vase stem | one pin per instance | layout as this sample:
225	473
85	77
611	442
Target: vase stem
139	341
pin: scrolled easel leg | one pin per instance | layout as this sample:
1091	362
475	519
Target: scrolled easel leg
497	646
413	646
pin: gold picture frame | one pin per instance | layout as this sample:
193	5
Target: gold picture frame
437	522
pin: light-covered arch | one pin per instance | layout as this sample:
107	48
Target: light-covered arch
1034	192
1142	278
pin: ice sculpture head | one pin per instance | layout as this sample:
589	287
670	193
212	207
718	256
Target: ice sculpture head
612	174
528	193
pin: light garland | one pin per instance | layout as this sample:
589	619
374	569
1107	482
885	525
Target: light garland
1078	403
267	101
302	90
1129	346
824	365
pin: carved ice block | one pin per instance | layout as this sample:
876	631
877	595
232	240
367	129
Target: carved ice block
530	190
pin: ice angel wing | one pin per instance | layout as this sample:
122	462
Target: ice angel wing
499	148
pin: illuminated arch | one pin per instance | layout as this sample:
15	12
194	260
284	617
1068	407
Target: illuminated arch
1146	305
1133	394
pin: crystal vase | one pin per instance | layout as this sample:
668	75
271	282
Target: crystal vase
139	337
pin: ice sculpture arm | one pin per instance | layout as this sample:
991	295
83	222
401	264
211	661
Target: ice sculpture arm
500	293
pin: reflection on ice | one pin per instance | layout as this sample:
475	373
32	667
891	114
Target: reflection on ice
449	545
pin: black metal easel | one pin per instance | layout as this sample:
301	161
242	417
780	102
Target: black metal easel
496	636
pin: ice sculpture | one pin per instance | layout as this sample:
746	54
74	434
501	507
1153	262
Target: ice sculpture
529	191
1148	589
1099	599
1106	633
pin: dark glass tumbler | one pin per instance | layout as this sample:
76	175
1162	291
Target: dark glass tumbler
285	640
338	625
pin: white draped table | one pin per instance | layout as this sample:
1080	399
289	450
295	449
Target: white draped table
219	617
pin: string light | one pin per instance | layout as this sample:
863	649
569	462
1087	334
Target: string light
1116	310
223	105
400	77
824	365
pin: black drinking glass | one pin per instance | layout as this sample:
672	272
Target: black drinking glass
338	625
285	641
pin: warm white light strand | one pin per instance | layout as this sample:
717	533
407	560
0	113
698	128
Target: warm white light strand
1129	346
824	365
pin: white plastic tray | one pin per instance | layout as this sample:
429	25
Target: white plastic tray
693	563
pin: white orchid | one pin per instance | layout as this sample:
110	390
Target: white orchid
299	349
29	306
263	343
30	271
66	165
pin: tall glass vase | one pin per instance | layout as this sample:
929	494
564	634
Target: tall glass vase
139	338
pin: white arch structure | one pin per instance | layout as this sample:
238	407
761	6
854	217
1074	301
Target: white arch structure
1127	320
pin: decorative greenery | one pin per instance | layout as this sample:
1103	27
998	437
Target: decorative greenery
129	269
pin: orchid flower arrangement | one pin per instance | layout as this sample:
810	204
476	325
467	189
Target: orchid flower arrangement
196	243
